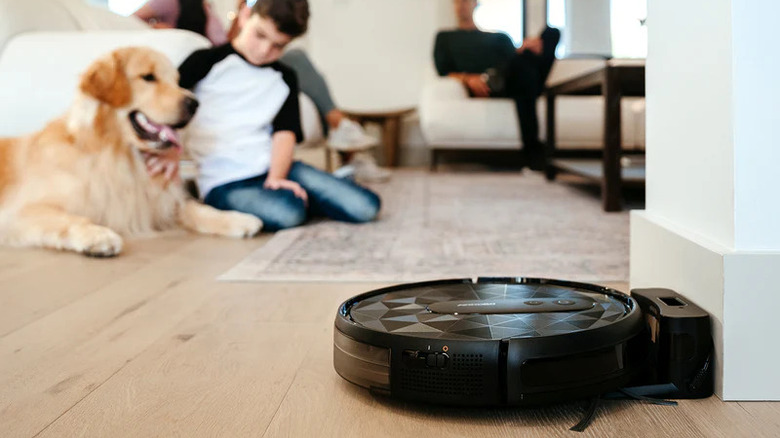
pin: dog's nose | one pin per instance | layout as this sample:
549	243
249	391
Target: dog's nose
191	105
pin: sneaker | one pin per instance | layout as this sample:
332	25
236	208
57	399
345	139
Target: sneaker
345	172
367	170
350	136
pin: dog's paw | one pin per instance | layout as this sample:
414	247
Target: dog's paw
241	225
95	241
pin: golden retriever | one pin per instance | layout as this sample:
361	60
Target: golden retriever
81	182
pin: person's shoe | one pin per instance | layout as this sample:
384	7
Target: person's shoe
350	136
537	164
535	158
366	169
550	38
345	172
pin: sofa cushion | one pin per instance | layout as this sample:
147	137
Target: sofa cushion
579	122
98	18
17	17
39	72
24	16
450	119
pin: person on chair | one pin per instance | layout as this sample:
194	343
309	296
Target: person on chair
489	65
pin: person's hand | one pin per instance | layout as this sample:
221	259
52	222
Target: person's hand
533	45
286	184
477	85
165	162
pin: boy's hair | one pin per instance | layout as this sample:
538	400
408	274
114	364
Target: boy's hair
290	16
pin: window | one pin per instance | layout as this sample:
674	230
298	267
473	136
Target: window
629	33
501	16
556	17
623	19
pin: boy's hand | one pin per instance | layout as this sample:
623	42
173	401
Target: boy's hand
165	162
286	184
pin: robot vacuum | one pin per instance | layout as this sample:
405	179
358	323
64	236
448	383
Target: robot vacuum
490	341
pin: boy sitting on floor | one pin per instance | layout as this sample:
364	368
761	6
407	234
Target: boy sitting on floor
248	124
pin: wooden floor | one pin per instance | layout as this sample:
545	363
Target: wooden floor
149	344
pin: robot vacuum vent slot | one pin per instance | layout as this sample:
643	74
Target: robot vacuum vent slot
467	362
437	382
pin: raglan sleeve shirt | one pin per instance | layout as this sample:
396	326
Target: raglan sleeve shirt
289	116
242	106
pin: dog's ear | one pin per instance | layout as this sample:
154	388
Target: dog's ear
105	80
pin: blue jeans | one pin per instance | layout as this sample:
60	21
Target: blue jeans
329	196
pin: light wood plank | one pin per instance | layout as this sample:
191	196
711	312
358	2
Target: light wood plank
54	362
718	419
764	418
166	350
51	280
222	372
335	407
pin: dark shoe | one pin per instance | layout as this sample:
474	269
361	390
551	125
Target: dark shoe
550	38
534	157
537	164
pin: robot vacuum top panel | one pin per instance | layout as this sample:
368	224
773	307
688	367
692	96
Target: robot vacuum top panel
489	309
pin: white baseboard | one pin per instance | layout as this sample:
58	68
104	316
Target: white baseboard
736	288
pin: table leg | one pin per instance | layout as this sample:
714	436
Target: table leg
549	153
611	184
390	134
329	159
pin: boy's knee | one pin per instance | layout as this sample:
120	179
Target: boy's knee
283	218
278	213
283	215
366	210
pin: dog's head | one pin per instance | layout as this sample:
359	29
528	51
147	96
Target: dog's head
141	85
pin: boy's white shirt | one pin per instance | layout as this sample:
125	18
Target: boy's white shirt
231	135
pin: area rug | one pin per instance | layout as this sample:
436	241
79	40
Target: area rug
455	225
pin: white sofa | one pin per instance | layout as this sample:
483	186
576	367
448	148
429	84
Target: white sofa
451	120
46	44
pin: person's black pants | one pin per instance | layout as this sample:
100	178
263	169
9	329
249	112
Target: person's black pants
524	85
524	77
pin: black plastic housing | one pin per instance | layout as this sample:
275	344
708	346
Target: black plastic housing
493	372
679	345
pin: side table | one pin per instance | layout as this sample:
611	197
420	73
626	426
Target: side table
390	121
617	79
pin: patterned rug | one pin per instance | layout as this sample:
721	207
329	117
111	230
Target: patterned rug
455	225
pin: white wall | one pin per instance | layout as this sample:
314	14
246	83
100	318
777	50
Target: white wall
376	53
756	100
689	116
